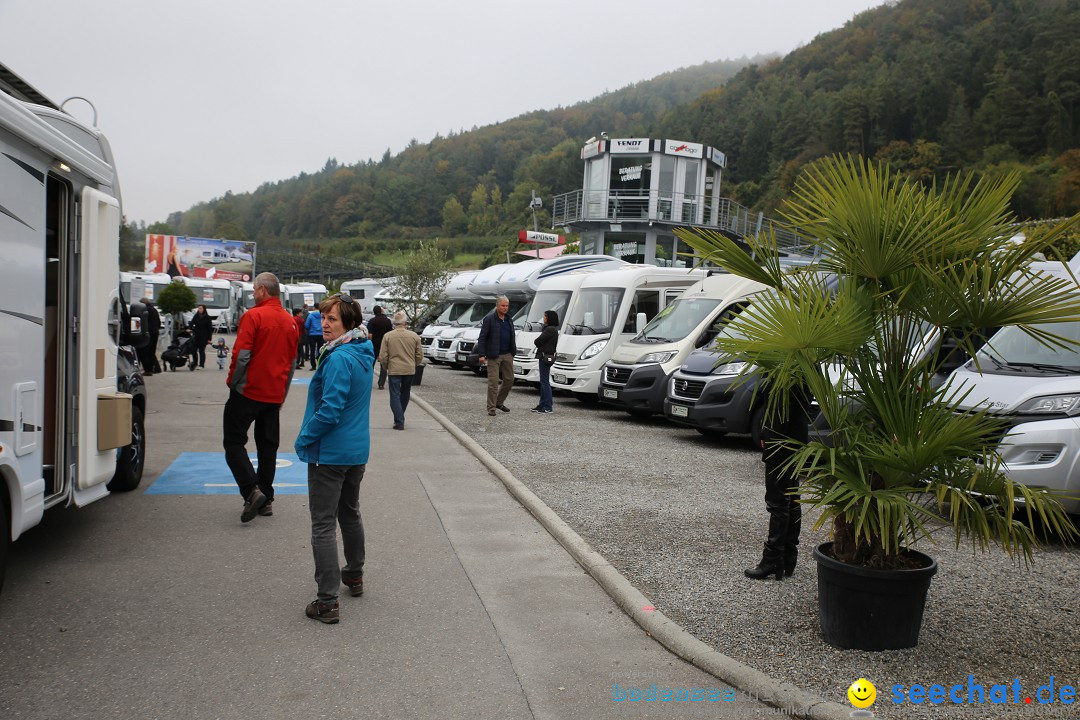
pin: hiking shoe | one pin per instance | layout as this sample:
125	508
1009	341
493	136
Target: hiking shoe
503	408
326	612
254	503
355	585
268	509
491	412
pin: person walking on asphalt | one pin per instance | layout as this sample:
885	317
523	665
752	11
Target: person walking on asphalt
313	325
781	551
301	330
377	327
259	377
498	344
202	329
148	355
400	354
334	441
545	355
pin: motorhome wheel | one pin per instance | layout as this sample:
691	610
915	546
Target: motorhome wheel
129	459
5	534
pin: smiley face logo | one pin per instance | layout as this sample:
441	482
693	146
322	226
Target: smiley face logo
862	693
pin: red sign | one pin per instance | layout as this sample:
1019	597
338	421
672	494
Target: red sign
530	237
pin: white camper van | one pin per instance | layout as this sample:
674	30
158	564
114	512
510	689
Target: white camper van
364	291
611	306
457	299
636	377
219	298
66	433
136	285
297	295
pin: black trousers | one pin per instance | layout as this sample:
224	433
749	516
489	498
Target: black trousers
240	413
314	343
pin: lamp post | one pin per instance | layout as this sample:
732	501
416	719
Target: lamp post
533	205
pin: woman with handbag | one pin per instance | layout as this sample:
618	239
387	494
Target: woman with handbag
545	353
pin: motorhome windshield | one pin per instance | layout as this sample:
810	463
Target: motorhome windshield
543	301
595	311
249	299
217	298
452	311
518	316
142	289
475	313
677	320
1013	350
296	299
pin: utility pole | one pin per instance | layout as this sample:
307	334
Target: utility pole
533	205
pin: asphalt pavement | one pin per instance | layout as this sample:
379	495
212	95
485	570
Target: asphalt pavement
160	603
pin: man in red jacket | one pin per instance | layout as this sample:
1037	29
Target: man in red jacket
259	377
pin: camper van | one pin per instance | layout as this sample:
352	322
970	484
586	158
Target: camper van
364	291
456	299
610	307
636	377
219	298
297	295
1037	388
552	292
214	255
68	435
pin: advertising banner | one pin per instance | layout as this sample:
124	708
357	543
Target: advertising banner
200	257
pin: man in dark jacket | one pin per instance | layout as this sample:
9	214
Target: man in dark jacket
259	376
148	354
377	327
498	344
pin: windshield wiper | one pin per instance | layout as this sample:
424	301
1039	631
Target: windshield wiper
654	339
1045	367
582	328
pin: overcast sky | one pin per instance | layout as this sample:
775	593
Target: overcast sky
204	96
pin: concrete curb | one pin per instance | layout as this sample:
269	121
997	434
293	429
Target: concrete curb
796	702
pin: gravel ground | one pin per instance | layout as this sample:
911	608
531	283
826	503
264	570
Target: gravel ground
681	515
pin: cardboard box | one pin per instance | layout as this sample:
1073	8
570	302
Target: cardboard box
113	420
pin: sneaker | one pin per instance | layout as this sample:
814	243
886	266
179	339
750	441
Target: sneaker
398	427
356	586
503	408
326	612
546	412
254	503
491	412
537	410
268	509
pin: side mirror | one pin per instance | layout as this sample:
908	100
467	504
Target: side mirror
133	326
641	321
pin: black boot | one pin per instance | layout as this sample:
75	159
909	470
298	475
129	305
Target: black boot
764	570
791	558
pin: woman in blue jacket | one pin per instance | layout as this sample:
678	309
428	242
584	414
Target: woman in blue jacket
334	442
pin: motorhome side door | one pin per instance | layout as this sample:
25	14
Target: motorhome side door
98	273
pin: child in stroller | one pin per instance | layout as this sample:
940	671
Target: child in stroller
179	351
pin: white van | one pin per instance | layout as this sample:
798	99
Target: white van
636	377
611	306
364	291
457	299
297	295
1037	389
217	295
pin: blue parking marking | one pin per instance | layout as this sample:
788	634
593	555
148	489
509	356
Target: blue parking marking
301	381
206	473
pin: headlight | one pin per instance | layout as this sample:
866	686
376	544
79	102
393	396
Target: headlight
657	357
731	368
1051	405
594	349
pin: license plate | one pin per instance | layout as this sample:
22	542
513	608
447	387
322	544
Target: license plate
679	410
559	378
518	370
613	394
462	358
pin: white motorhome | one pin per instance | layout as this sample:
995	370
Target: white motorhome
219	298
636	377
136	285
364	291
456	299
214	255
1036	388
66	434
297	295
610	307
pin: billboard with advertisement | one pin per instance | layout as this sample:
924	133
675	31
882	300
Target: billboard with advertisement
200	257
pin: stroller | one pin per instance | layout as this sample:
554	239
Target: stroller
181	351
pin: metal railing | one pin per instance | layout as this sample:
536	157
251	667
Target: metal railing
677	209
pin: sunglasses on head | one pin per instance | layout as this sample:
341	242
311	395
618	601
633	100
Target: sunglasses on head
344	297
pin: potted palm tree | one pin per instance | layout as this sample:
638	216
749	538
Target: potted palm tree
911	268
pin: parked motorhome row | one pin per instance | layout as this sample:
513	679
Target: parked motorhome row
71	412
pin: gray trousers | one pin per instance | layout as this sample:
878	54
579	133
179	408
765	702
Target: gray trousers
334	499
500	372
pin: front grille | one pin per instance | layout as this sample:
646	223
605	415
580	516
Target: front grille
465	346
687	389
425	340
444	344
617	375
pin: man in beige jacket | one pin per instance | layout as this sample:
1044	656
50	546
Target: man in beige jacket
400	353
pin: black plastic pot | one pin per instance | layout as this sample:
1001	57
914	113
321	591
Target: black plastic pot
867	609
